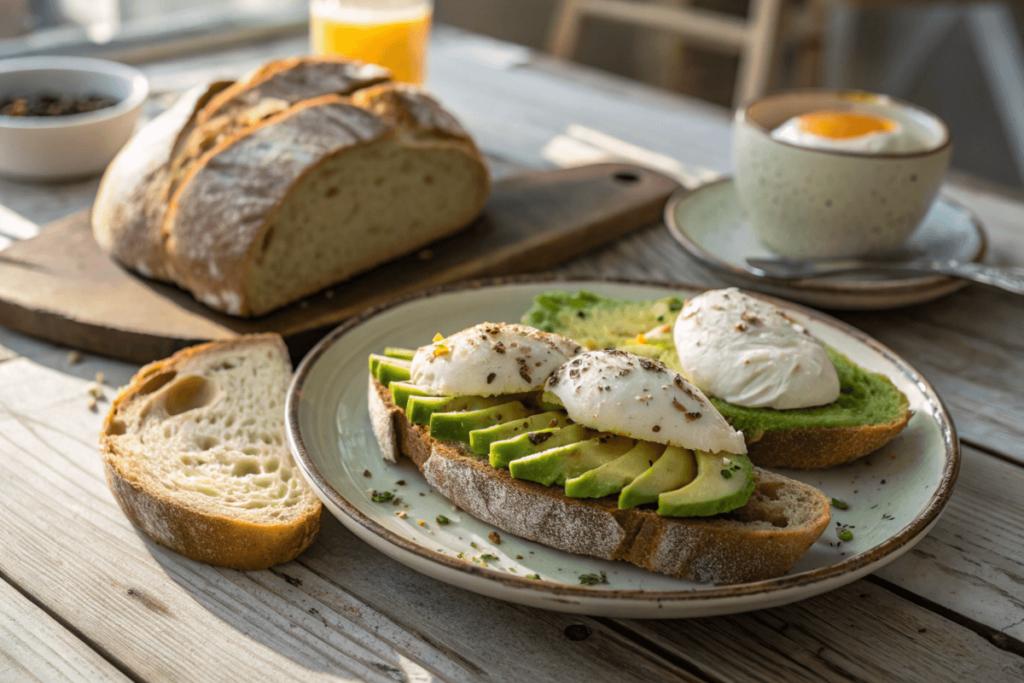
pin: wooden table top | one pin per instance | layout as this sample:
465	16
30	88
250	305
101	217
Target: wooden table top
85	596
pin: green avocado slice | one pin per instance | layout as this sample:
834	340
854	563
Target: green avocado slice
420	408
613	476
505	452
402	391
401	354
724	482
676	467
389	371
558	464
376	359
457	426
480	440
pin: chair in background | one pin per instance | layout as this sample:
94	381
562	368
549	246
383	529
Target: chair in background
757	39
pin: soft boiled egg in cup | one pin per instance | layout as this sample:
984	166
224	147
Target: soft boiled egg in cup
835	174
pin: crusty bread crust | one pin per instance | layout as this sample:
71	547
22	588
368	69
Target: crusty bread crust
199	534
822	447
762	540
192	198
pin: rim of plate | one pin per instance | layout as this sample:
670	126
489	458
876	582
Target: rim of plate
904	285
916	526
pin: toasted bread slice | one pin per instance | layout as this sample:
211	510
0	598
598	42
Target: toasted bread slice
194	452
761	540
822	447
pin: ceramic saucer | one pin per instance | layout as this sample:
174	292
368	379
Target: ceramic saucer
710	224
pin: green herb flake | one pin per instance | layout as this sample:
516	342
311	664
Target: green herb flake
460	555
472	544
726	474
533	576
845	535
593	579
519	557
441	519
381	497
836	503
512	569
488	556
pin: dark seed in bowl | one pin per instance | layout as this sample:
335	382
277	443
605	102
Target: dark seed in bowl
46	104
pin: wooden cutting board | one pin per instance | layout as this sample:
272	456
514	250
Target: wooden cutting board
61	287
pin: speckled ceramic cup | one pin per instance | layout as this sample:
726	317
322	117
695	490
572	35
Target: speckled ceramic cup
817	203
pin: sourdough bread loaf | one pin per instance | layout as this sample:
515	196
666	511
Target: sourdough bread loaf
307	172
761	540
195	454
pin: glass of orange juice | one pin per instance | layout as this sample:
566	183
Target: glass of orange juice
392	33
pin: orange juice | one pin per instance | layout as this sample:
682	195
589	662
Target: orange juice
392	33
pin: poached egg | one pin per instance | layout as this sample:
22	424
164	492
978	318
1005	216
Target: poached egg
490	359
747	352
616	391
847	131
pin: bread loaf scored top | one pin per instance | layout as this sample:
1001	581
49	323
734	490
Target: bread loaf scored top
254	194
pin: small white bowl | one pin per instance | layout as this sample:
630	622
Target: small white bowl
76	145
819	203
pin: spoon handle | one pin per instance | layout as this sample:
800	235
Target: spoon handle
1010	279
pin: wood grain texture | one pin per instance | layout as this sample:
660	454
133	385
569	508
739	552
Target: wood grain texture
346	609
61	287
34	647
323	618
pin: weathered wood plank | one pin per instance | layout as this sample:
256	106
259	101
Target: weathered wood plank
66	542
860	632
973	561
34	647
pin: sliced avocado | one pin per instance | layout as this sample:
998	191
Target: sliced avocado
457	426
376	359
504	452
612	477
420	408
551	399
401	391
724	482
480	440
389	371
675	468
401	354
558	464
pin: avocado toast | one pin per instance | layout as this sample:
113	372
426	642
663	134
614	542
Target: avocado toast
868	412
565	469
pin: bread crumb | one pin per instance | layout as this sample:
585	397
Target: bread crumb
401	514
99	378
421	523
91	404
495	537
74	357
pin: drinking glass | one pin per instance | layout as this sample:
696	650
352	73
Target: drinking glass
392	33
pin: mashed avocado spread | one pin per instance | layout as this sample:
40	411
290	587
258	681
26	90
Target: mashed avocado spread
597	322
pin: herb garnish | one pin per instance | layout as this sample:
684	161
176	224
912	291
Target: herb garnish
845	535
441	519
381	497
488	556
533	576
836	503
593	579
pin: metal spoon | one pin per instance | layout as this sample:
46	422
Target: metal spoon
1010	279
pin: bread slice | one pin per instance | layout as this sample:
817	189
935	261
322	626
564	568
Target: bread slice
822	447
761	540
194	453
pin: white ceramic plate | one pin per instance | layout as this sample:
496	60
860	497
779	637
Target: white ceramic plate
894	495
709	223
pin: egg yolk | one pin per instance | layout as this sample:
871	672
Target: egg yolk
840	125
